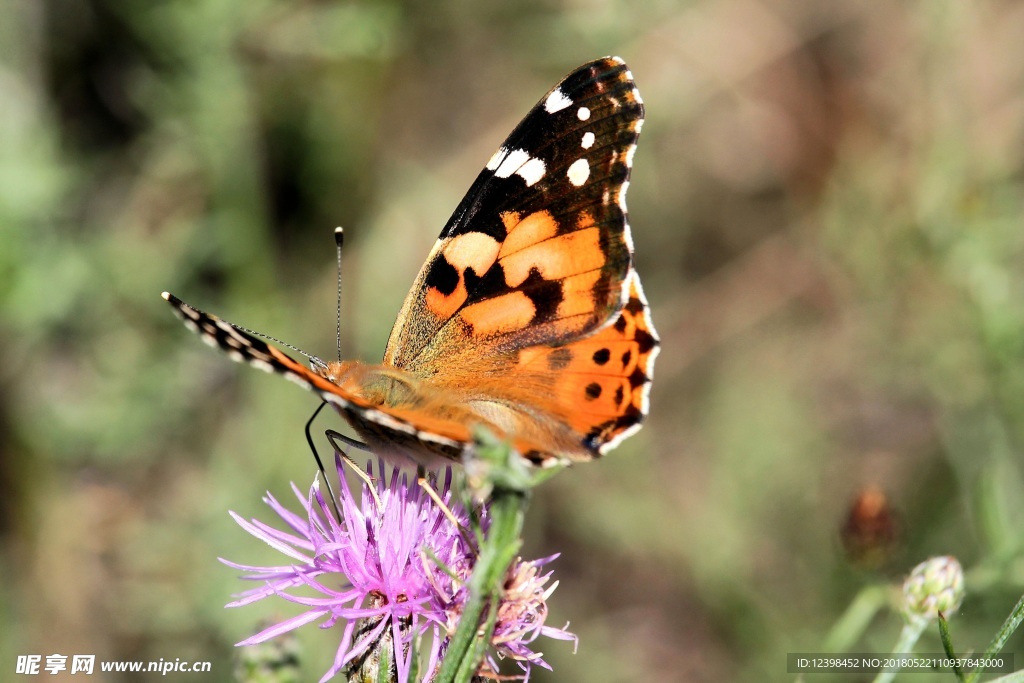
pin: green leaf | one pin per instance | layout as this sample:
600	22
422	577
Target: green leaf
947	645
1003	635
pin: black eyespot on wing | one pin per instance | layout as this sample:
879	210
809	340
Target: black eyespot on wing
443	277
546	295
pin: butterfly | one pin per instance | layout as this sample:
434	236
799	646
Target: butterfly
527	318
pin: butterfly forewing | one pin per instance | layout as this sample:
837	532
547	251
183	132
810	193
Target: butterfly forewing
539	249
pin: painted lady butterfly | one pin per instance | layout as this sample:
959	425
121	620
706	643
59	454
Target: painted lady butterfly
527	317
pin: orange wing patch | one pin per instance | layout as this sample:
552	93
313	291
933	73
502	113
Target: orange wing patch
555	258
501	315
538	226
548	281
470	250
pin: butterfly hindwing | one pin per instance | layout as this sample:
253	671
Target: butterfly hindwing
585	397
608	376
539	250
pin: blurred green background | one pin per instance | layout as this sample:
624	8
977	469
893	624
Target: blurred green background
828	208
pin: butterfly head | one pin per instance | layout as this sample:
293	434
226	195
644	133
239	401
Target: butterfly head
322	368
337	372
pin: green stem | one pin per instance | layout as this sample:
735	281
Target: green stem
908	638
855	619
500	547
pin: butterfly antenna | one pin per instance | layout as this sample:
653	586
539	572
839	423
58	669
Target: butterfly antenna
319	463
315	362
339	239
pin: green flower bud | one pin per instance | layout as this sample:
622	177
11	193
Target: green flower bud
936	585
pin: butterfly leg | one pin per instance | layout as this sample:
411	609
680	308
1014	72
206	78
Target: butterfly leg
319	463
348	441
334	437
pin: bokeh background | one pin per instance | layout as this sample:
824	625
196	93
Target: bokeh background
828	210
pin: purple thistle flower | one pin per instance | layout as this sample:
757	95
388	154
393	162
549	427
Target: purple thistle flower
393	569
521	616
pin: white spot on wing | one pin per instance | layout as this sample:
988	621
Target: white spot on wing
556	101
436	438
511	163
532	171
518	162
261	365
237	336
627	234
629	156
618	438
583	113
334	399
578	172
291	376
386	420
588	140
497	158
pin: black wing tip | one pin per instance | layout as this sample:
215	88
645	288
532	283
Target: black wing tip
614	59
608	63
601	76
